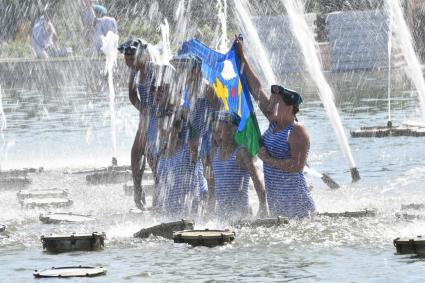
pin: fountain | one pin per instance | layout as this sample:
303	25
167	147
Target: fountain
403	36
398	26
261	58
305	37
109	48
3	125
222	16
114	173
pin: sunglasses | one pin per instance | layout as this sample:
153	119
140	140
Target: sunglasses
288	96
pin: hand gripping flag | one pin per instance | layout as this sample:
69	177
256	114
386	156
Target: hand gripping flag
223	72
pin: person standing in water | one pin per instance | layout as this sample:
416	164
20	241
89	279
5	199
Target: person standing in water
137	58
179	184
102	25
284	149
43	35
232	167
88	18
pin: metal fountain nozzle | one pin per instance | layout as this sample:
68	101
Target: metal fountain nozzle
355	175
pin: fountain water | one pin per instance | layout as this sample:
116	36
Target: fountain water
161	53
305	37
241	8
181	19
222	16
404	38
3	123
389	67
109	48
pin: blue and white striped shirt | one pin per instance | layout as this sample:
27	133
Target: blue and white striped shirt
147	100
179	184
287	192
231	186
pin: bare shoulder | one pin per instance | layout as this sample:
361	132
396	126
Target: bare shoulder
300	132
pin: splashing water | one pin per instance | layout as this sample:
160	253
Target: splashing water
166	50
3	124
161	53
181	17
402	34
305	38
109	48
222	16
241	8
389	64
263	61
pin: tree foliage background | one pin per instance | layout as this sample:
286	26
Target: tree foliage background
142	17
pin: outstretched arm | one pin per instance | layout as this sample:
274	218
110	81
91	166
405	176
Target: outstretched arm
247	162
299	143
253	81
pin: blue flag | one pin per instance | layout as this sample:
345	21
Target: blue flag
222	71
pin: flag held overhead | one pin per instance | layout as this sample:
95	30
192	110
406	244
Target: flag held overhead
222	71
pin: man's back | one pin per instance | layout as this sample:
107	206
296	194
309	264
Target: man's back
103	25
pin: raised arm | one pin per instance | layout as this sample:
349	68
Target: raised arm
247	162
253	81
299	143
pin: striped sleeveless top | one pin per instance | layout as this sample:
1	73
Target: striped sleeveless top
179	184
202	125
147	100
146	96
231	186
287	192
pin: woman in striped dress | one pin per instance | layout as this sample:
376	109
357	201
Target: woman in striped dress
180	183
232	167
284	149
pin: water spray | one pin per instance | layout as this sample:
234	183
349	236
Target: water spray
389	123
222	16
3	123
402	34
305	38
241	8
245	19
109	48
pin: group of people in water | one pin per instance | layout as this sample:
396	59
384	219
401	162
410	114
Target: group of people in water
188	139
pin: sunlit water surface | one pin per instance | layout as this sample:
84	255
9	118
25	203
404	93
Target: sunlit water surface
71	130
